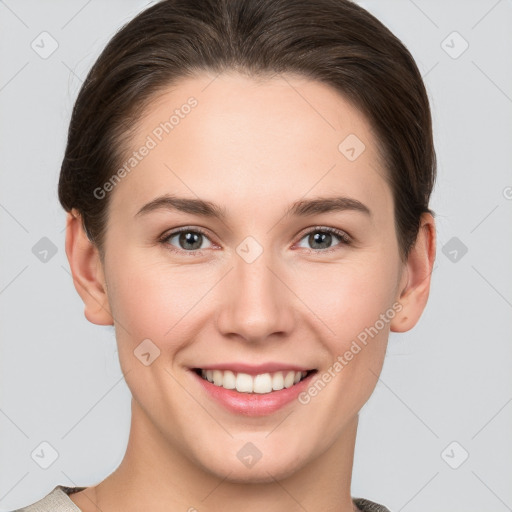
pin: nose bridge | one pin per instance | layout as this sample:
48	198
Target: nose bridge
257	304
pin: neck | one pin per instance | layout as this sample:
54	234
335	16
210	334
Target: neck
157	474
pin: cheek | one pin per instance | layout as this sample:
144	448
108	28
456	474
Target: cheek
170	304
354	303
156	301
350	296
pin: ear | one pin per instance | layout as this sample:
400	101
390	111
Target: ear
415	282
87	271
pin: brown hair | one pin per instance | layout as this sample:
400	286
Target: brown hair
332	41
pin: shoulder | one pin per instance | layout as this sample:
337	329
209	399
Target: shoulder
369	506
56	501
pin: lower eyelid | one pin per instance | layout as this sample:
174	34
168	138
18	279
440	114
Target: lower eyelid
166	238
344	239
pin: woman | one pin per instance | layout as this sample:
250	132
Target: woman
247	186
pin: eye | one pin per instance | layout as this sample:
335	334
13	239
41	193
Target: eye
187	240
190	241
321	238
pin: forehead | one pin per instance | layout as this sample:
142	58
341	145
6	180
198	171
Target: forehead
262	141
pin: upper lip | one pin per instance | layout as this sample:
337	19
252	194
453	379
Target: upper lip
255	369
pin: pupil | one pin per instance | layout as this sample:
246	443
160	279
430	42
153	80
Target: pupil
321	239
194	239
190	238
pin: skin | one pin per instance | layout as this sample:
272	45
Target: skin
253	147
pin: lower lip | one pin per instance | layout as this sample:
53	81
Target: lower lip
253	404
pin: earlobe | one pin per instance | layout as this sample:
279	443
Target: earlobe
87	271
415	286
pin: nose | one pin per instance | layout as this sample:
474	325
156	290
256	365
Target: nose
255	301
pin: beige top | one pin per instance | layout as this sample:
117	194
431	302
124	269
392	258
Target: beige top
58	501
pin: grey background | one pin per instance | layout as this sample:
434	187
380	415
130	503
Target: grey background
448	380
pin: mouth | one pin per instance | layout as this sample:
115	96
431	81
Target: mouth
261	384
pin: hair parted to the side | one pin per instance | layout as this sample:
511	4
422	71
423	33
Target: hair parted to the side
333	41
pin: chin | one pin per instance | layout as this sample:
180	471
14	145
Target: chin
264	474
268	468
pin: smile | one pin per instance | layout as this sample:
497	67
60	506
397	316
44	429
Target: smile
261	383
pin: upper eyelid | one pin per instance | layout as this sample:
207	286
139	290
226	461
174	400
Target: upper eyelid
340	233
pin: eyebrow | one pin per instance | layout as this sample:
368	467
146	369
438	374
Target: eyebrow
301	208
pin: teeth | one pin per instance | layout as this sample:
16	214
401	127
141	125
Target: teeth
278	381
228	380
245	383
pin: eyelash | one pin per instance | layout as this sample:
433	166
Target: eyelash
345	239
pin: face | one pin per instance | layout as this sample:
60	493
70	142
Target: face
274	284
